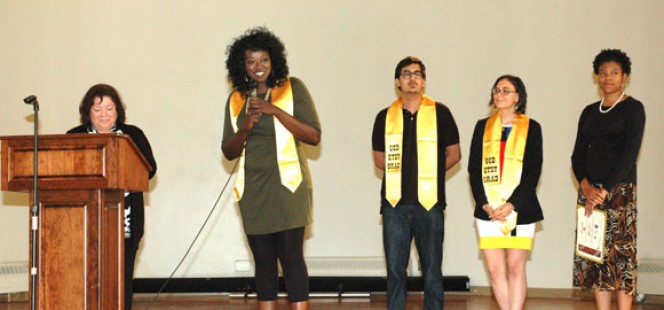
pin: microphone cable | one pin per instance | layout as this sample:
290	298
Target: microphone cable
200	230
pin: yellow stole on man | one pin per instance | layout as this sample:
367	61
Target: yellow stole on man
499	188
427	152
287	158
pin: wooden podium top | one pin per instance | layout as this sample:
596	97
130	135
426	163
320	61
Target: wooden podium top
73	161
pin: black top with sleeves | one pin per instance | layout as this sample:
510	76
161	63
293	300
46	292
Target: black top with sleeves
134	199
607	144
448	134
524	197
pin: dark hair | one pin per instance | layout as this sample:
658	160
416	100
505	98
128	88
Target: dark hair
407	62
99	91
256	39
607	55
519	87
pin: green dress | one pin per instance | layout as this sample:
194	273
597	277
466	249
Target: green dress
266	205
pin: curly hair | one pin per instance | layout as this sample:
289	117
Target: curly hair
616	55
520	89
100	91
256	39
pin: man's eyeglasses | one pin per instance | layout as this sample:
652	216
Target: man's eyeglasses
503	91
411	75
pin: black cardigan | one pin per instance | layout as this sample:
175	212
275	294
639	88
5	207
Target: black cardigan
524	197
607	145
135	200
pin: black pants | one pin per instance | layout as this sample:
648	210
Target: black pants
131	247
286	247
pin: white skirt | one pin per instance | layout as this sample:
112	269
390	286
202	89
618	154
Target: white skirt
492	238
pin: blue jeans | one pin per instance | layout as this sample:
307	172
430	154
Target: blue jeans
400	225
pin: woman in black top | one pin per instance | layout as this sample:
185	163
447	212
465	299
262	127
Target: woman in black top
102	111
604	162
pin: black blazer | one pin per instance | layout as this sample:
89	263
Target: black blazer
135	200
524	197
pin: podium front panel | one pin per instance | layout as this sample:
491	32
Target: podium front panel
81	250
62	255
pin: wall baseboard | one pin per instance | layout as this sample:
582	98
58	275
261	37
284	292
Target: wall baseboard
339	285
14	297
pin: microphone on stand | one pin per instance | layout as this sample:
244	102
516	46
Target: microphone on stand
32	100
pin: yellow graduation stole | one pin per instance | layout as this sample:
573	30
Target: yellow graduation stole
287	158
427	152
498	189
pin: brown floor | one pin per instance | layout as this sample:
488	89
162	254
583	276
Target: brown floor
452	301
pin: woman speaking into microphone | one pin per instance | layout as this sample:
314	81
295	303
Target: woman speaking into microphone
269	115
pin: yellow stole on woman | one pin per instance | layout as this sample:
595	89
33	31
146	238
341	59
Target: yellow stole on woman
287	158
499	188
427	152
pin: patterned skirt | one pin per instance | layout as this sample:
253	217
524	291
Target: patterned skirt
618	272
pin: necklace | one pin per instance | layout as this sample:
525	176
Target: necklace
611	107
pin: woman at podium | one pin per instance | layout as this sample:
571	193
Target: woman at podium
102	111
269	116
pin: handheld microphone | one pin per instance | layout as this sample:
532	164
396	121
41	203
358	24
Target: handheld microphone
253	93
253	85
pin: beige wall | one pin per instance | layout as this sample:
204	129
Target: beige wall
167	60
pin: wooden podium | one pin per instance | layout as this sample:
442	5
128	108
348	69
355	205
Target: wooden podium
82	179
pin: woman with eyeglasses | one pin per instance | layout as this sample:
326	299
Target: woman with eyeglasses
607	145
504	166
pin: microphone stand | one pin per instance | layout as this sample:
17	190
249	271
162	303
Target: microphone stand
32	100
